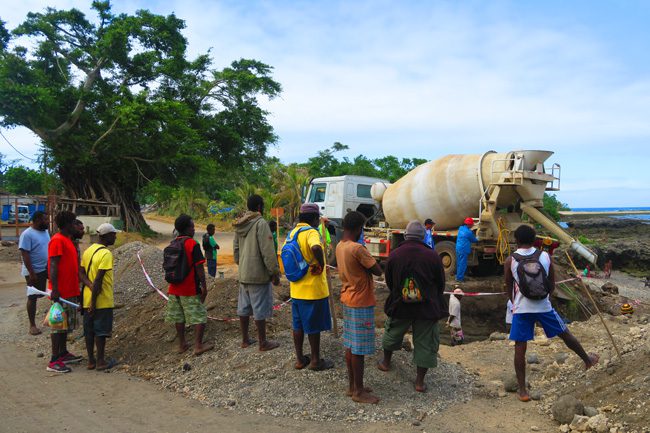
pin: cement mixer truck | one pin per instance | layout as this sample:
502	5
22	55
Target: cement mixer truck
500	191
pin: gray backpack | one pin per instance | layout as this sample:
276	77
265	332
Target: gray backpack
533	280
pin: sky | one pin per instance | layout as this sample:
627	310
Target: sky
431	78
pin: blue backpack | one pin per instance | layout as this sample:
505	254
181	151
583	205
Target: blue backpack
295	265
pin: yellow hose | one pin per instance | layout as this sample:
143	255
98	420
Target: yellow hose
503	246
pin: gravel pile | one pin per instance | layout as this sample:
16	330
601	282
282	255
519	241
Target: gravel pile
130	283
267	383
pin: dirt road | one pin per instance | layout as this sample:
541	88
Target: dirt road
224	239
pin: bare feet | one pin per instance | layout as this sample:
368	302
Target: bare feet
523	396
268	345
183	348
421	387
33	330
383	366
247	343
365	397
593	360
91	364
365	389
203	348
304	362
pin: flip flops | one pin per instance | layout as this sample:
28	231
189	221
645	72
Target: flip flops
111	363
306	360
323	364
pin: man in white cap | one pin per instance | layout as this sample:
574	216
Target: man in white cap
453	321
97	277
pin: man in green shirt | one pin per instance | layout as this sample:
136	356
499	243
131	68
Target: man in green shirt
210	246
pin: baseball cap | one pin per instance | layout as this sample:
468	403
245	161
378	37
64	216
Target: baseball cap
310	208
105	229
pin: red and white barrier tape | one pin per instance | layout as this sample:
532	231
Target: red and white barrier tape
478	293
166	298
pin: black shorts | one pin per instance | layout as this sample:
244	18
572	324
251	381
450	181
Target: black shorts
41	283
100	324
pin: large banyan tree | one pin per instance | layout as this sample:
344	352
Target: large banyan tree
116	102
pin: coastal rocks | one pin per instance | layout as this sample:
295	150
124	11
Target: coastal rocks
565	408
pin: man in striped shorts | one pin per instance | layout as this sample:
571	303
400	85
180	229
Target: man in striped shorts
356	267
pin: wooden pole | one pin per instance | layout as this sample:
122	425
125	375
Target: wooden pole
335	325
586	289
277	230
16	217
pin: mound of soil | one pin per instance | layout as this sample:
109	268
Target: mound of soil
10	253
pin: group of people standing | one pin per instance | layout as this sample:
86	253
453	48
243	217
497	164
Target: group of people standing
57	265
414	275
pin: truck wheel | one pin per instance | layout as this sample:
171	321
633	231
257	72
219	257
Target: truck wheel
447	252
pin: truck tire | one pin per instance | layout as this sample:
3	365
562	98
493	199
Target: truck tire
447	252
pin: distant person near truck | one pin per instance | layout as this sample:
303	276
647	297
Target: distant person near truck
356	267
454	321
258	267
183	265
210	246
464	243
428	232
33	249
63	267
530	280
414	265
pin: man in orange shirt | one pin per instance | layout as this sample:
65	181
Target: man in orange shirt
63	265
356	267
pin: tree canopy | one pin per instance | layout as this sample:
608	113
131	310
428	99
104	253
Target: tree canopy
117	104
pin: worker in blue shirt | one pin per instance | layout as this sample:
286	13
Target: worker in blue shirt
428	235
464	247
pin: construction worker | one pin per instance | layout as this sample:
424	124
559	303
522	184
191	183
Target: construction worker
463	247
428	235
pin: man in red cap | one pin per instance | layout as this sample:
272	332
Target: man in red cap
464	247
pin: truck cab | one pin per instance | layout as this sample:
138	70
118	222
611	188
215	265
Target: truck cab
337	195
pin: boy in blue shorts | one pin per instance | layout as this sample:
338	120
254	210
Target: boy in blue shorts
530	281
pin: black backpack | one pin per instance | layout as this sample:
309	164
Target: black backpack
175	261
533	280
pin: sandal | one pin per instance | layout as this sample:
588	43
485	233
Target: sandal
323	364
111	363
306	361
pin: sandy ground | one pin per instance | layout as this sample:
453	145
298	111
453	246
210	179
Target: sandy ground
125	403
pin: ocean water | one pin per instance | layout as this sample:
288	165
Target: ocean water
622	211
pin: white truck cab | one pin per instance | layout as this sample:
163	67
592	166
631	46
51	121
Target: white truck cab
337	195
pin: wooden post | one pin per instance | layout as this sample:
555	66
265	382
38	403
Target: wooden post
277	231
584	286
335	325
16	217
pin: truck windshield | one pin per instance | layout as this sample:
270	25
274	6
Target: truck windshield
317	193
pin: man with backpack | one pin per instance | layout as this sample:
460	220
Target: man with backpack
183	264
257	259
530	280
304	265
415	277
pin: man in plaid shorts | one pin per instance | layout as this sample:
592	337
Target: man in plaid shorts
356	267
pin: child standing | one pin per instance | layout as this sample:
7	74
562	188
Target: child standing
356	267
